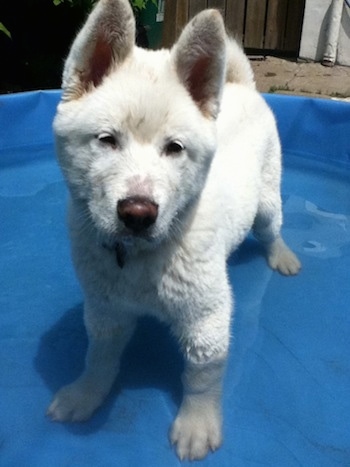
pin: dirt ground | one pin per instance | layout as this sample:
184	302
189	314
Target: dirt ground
275	75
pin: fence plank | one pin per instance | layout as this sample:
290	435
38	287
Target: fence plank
255	24
294	24
258	24
175	18
275	24
235	11
218	4
169	23
196	6
181	15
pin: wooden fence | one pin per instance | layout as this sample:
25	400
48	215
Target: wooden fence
262	26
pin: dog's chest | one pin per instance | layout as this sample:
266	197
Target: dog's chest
134	286
136	283
152	282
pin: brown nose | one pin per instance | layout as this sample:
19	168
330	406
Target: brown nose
137	212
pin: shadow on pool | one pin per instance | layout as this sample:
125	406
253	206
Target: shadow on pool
151	359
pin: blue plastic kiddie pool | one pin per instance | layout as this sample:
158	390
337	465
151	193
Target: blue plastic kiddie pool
287	387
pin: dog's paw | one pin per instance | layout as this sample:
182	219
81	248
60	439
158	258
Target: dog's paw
282	259
74	403
195	432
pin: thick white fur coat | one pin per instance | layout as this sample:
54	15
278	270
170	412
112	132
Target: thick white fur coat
184	135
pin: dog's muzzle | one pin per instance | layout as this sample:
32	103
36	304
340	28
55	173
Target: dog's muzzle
137	213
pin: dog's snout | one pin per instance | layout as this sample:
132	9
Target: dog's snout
137	213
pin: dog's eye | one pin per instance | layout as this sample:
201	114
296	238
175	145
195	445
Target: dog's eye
108	139
174	147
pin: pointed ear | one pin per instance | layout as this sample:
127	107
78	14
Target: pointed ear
105	40
200	60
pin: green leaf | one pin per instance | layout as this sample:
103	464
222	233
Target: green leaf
138	4
5	30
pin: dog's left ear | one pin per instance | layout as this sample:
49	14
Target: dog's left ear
200	60
104	42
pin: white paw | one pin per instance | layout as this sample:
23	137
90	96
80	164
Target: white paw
282	259
74	403
195	432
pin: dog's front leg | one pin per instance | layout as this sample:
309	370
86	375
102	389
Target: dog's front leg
204	338
107	339
198	426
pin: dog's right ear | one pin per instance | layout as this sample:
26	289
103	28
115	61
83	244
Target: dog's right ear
105	40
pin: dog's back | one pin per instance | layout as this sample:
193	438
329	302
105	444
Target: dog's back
238	66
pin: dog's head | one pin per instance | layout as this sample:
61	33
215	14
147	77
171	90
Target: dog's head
135	129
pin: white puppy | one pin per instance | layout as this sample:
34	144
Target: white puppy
171	157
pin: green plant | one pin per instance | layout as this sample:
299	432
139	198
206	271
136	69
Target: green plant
141	4
276	89
88	4
137	5
4	30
